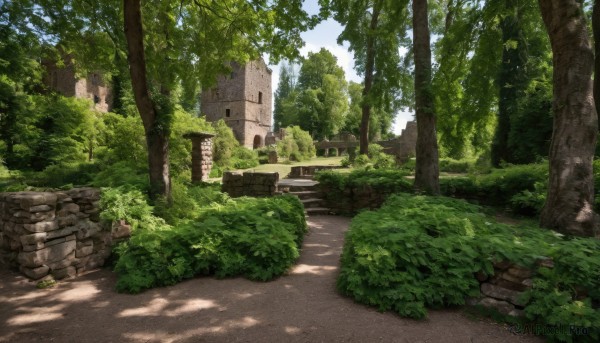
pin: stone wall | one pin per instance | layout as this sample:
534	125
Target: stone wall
502	291
308	171
238	184
351	200
55	233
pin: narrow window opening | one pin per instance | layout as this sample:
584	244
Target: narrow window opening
260	97
227	113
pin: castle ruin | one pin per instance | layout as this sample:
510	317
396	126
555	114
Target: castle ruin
64	80
243	100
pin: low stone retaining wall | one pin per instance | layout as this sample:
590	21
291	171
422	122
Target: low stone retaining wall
238	184
55	233
503	290
300	171
353	199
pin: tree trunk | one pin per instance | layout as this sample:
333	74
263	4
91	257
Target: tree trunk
570	200
596	27
369	71
427	170
156	139
509	83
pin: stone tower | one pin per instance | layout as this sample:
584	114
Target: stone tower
65	81
243	100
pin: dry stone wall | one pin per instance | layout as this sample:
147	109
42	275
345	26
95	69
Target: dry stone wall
55	233
238	184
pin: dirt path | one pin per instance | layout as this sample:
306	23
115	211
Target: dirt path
300	307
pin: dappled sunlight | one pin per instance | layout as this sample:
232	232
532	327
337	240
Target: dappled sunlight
224	328
316	270
158	307
292	330
37	314
84	291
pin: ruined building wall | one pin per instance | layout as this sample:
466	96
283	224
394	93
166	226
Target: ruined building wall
243	100
64	80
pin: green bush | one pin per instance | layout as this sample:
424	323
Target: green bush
67	173
345	162
451	165
122	174
297	145
361	161
244	158
257	238
127	204
188	201
418	252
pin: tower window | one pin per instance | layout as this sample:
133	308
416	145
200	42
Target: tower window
260	97
227	113
96	99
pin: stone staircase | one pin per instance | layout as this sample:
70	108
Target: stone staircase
308	193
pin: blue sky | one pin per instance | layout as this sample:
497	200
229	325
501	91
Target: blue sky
325	35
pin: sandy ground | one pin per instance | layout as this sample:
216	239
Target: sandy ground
302	306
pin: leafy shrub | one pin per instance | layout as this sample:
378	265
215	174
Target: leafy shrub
296	145
67	173
530	202
345	162
257	238
451	165
126	204
361	161
418	252
122	174
188	201
244	158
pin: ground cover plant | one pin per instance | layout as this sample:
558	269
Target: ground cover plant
418	252
256	238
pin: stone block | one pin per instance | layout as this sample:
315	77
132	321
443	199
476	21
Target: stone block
40	208
33	238
28	199
498	305
120	229
47	255
35	273
64	273
86	229
64	263
66	209
501	293
519	272
69	220
33	247
56	241
61	232
502	265
84	251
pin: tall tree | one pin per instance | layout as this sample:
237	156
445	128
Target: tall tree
569	204
510	80
427	168
374	29
285	87
596	28
322	101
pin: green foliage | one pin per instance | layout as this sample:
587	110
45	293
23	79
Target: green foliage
257	238
345	162
227	152
180	148
127	204
361	161
499	186
418	252
188	201
451	165
122	174
297	145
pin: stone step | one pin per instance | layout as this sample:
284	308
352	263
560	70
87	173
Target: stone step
306	194
312	203
315	211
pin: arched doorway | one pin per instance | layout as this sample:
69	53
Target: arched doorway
257	142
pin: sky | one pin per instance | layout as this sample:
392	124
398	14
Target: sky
325	36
